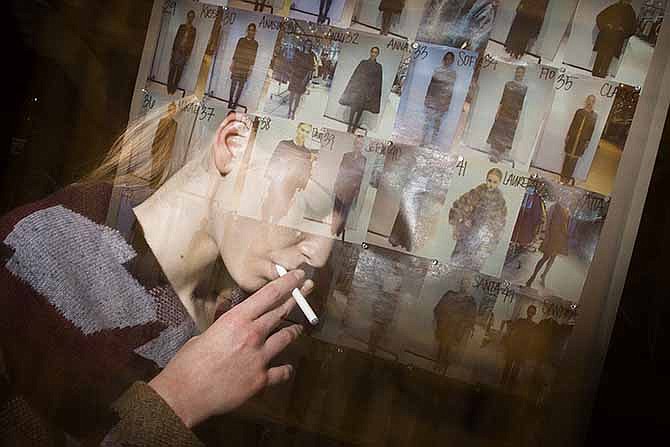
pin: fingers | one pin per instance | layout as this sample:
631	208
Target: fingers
280	340
270	296
269	321
279	374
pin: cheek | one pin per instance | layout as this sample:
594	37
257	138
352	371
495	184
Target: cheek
238	244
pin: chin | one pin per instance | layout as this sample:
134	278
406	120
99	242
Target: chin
250	283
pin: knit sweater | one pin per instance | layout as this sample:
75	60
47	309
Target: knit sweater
86	321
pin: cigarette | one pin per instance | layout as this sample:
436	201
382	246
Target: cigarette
300	299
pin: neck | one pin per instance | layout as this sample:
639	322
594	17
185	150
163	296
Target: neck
175	220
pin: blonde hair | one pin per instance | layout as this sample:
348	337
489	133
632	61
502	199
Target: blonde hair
142	156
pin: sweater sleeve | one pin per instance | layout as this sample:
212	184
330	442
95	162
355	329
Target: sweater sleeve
145	419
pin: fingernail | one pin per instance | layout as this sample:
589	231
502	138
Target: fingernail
308	286
299	274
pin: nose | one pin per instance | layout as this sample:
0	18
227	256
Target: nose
316	249
312	250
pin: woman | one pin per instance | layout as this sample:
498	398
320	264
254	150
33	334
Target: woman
324	10
454	320
244	59
555	241
464	24
182	48
478	218
438	97
109	352
616	23
364	90
301	68
526	26
348	184
389	8
501	136
422	198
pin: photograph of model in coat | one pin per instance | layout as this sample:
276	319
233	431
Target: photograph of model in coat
364	90
454	318
348	185
292	160
181	51
438	98
244	59
301	69
526	26
464	24
555	241
616	23
422	199
507	118
519	343
579	137
324	10
389	9
478	218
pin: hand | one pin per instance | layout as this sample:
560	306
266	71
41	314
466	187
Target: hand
221	369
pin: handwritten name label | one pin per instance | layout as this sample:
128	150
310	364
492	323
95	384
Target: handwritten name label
419	52
547	74
559	310
325	137
271	23
510	178
466	59
208	11
462	167
379	147
264	123
490	63
332	34
593	203
565	81
494	288
201	111
398	45
609	90
148	101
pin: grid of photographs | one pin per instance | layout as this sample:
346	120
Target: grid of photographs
457	156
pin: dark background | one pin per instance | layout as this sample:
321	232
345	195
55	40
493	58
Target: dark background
70	76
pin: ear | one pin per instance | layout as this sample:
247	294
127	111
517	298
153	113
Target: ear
221	154
232	137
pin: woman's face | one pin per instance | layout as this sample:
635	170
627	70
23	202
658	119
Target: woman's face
519	74
302	133
448	59
250	248
374	52
492	182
